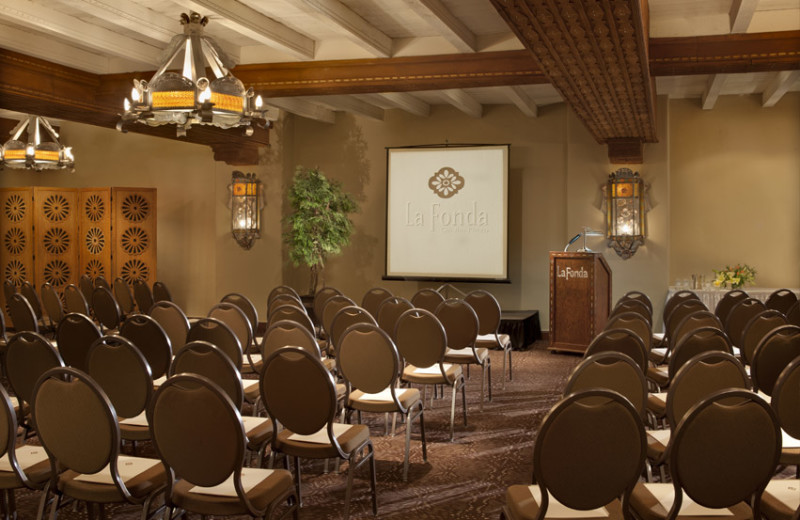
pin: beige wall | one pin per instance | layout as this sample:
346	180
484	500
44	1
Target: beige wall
737	163
736	188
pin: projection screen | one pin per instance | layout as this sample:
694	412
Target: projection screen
447	213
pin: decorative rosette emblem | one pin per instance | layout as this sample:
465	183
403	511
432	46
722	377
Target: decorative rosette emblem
446	182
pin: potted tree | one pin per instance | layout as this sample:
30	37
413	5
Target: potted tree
318	225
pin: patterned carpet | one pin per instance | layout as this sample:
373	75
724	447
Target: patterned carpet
465	479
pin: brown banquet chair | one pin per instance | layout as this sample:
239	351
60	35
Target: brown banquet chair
427	299
489	313
781	300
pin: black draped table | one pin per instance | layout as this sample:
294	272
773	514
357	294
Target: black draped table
522	327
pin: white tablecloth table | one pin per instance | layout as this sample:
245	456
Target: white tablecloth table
712	296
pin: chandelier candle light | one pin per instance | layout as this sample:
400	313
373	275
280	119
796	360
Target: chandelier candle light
189	97
35	154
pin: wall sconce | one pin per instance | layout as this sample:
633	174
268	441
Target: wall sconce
625	211
245	208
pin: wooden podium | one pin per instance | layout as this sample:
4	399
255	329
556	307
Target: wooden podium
580	299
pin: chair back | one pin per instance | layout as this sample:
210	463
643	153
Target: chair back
76	423
693	321
279	300
86	286
631	305
123	295
368	360
333	306
174	322
634	322
8	439
679	312
373	298
638	296
700	340
703	375
161	292
611	371
590	450
100	281
28	356
183	408
246	305
29	291
236	319
460	323
738	317
75	301
281	289
9	289
321	299
427	299
793	314
775	351
786	398
756	328
143	296
291	313
204	359
727	302
487	308
620	340
151	340
21	314
3	336
121	370
284	333
218	334
420	338
737	465
390	310
105	308
781	300
75	334
344	319
676	299
298	392
52	304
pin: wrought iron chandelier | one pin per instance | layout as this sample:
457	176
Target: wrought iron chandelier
189	97
34	153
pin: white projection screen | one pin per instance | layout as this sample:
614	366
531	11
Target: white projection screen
447	213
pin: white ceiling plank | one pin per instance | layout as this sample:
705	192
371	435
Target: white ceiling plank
451	28
779	85
362	32
40	46
463	101
303	108
349	104
87	35
407	102
712	91
741	15
518	96
251	23
132	16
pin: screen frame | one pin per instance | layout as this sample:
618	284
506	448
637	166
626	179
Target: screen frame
461	279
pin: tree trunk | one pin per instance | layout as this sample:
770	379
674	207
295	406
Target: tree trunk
312	289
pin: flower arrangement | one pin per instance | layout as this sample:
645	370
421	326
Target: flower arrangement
736	276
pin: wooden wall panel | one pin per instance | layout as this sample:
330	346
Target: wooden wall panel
134	234
16	229
95	232
56	236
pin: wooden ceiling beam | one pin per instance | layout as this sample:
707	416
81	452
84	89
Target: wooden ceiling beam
712	91
448	25
741	14
778	86
727	53
356	28
407	102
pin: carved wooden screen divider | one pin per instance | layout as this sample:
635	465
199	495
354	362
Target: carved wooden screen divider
56	235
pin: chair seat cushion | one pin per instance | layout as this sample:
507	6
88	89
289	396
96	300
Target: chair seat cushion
489	340
522	505
275	486
656	404
355	437
358	400
258	431
432	375
657	441
659	375
647	507
465	355
780	500
139	486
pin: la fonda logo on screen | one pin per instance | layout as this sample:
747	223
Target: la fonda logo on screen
570	273
465	219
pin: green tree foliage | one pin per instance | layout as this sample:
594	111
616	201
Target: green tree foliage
319	224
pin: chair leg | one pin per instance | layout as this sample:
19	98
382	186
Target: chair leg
453	409
464	400
489	370
349	489
483	384
422	432
510	375
408	446
43	501
296	478
372	479
503	373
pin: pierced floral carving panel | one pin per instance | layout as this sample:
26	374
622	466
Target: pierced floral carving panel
56	236
95	232
16	234
595	53
134	229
